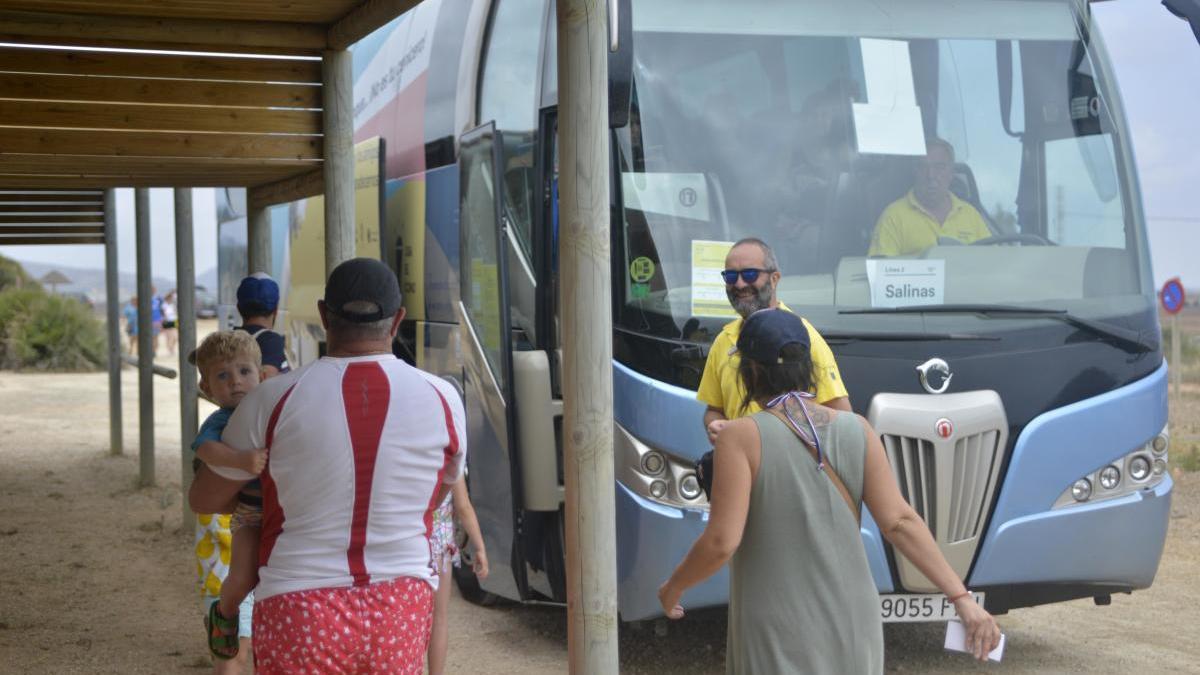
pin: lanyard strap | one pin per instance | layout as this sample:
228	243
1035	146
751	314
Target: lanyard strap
810	437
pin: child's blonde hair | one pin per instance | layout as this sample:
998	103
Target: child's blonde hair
223	346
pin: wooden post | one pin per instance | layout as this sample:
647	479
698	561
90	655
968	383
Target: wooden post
1176	365
258	243
185	294
145	340
112	288
587	337
339	157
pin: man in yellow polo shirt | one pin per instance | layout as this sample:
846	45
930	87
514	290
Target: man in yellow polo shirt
720	387
929	211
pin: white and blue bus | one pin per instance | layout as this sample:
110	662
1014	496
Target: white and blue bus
1021	393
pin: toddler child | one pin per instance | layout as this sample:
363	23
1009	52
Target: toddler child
230	364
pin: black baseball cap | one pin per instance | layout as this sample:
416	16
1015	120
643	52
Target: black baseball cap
363	280
766	332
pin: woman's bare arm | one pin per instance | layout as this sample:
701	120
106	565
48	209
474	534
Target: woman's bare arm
734	464
903	528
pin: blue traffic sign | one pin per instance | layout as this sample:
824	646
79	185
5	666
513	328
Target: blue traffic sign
1172	296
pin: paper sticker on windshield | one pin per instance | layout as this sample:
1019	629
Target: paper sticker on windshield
708	290
641	269
639	291
683	195
906	283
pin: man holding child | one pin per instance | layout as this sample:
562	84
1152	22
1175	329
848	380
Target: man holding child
361	449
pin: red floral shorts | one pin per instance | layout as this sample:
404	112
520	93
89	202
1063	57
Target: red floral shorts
379	628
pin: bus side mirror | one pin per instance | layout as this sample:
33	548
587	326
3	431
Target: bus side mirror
620	64
1188	10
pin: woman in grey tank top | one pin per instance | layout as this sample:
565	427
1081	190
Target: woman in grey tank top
789	485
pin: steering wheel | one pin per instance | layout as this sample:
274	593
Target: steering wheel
1024	238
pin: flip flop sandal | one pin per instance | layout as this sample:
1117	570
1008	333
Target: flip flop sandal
222	634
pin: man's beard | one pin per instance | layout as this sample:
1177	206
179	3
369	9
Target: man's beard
745	305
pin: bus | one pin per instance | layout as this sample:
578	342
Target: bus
1018	381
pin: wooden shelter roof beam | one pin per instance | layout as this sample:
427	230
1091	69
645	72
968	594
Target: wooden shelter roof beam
364	19
50	239
301	11
48	87
145	32
8	209
150	64
27	230
159	144
7	219
286	190
108	116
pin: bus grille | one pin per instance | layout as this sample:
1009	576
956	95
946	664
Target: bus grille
914	462
949	481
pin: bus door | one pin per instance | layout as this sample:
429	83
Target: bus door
486	341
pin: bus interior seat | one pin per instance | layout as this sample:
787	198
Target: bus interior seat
965	188
855	204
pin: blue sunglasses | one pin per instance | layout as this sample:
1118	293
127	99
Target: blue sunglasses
749	275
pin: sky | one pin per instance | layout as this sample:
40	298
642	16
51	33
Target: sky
1157	61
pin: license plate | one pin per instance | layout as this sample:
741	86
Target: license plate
913	608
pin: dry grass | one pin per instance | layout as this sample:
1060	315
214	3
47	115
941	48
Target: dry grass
1185	405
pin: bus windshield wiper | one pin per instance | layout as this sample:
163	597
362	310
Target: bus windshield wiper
846	336
1123	338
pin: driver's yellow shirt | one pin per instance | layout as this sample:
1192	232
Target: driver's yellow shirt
906	228
721	388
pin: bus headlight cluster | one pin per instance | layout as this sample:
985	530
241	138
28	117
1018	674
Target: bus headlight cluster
654	474
1143	468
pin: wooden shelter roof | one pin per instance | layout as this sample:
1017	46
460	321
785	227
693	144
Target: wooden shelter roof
89	99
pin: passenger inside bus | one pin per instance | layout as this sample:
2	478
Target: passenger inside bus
930	213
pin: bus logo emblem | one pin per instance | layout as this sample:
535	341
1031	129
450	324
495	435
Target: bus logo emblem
945	428
934	375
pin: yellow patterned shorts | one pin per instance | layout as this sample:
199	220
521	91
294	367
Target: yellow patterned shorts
213	546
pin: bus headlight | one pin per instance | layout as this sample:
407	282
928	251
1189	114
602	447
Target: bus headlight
1082	490
654	474
1139	468
653	463
1143	468
1159	444
1110	477
689	487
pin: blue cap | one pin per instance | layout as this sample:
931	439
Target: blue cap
258	293
766	332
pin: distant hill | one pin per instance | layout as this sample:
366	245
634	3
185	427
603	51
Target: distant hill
91	281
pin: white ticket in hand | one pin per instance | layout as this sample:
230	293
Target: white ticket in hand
956	640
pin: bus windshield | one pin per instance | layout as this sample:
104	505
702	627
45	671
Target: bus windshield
893	155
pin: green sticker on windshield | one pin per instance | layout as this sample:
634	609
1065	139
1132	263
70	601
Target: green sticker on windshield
639	291
641	269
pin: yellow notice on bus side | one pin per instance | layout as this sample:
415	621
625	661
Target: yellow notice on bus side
708	289
368	203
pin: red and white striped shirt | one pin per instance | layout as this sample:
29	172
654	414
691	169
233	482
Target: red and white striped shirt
357	450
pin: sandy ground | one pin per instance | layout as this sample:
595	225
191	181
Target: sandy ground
99	578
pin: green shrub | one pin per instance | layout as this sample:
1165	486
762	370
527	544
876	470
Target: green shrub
12	274
42	331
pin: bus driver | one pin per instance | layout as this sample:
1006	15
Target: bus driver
929	211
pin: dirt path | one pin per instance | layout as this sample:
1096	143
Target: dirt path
99	577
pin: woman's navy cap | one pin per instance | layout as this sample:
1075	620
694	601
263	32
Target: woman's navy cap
766	332
363	280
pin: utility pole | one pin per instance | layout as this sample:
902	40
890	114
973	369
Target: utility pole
583	44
